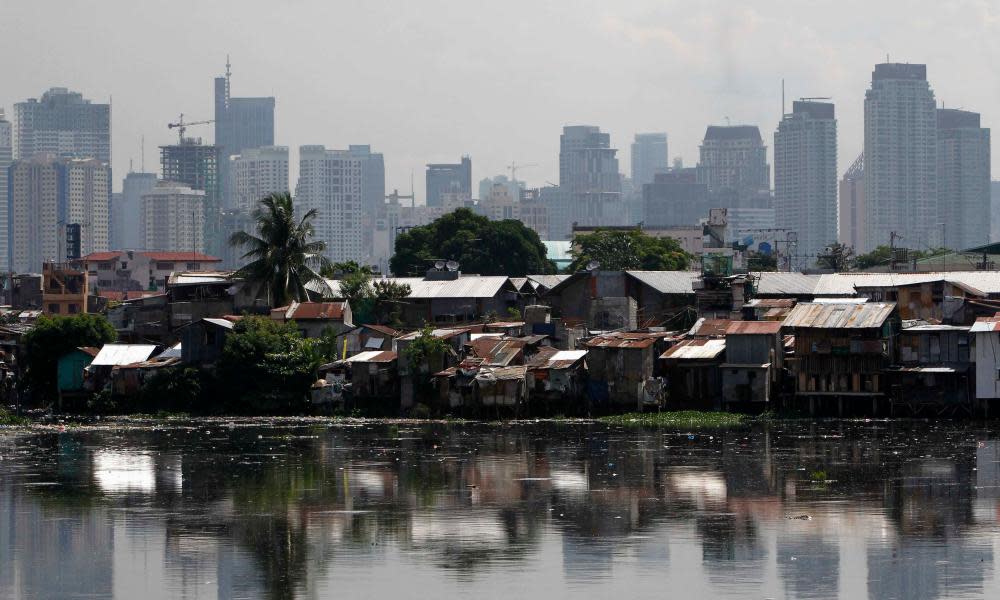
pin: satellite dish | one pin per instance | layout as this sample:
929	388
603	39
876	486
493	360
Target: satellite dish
593	265
452	265
439	264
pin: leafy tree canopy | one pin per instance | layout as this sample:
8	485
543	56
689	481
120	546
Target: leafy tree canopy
374	300
283	255
53	337
882	256
267	367
338	270
476	243
617	250
838	258
758	261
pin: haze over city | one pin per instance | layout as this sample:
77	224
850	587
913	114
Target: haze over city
427	82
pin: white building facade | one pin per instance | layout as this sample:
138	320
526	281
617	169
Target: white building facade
331	182
256	173
173	218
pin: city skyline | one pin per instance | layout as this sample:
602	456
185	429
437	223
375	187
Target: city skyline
733	72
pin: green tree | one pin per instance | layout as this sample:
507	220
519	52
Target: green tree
338	270
757	261
267	367
373	300
882	256
616	250
283	255
838	258
53	337
476	243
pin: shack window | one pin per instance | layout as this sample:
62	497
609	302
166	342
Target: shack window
54	309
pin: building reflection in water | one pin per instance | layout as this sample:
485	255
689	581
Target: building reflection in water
894	510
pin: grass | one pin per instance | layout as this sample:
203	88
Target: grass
684	418
7	418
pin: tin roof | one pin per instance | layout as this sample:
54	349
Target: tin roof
550	358
770	303
443	334
199	277
710	327
845	284
546	281
986	324
753	328
703	349
122	354
314	311
220	322
504	324
501	373
840	316
91	350
625	339
771	283
466	286
372	356
668	282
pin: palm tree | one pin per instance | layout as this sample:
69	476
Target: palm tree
283	256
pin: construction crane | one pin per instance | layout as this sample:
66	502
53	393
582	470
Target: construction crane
514	167
181	126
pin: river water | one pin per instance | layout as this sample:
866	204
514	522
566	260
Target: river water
230	509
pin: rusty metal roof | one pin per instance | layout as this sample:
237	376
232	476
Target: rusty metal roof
627	339
372	356
550	358
710	327
986	324
770	303
487	373
703	349
753	328
443	334
869	315
310	311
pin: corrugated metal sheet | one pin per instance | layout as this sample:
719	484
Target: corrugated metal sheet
473	286
840	316
220	322
763	303
573	355
547	281
443	334
198	277
986	324
372	356
696	350
845	284
501	373
786	284
122	354
710	327
668	282
753	328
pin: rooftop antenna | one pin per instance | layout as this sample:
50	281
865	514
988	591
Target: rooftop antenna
228	74
782	96
142	152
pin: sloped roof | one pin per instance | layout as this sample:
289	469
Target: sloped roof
315	311
383	330
839	316
443	334
710	327
846	284
786	284
226	323
467	286
91	350
372	356
703	349
753	328
112	355
668	282
180	256
986	324
547	281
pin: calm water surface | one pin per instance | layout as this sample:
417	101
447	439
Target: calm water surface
240	510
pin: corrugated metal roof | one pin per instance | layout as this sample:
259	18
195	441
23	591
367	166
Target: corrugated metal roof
443	334
753	328
786	284
382	329
315	311
372	356
547	281
840	316
986	324
550	358
704	349
845	284
770	303
220	322
122	354
171	352
471	286
710	327
668	282
199	277
501	373
569	355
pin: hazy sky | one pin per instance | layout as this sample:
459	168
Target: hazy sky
428	80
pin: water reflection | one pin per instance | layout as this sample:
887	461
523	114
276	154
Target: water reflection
884	510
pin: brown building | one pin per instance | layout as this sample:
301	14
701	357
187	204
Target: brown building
64	290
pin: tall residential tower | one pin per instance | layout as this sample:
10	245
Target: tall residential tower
331	182
963	160
64	124
445	178
240	124
649	157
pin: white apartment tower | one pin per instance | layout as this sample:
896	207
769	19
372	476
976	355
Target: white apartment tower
331	182
59	210
805	178
256	173
901	193
62	123
963	179
173	218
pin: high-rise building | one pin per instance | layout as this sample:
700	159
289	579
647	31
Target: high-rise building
256	173
900	157
62	123
649	157
590	183
852	212
331	182
373	176
805	178
963	179
240	124
6	157
173	218
196	166
733	164
126	211
675	198
445	178
58	210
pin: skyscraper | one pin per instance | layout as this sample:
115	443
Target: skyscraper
172	218
649	157
196	166
900	157
255	173
590	183
963	160
373	177
126	214
6	157
240	124
675	198
805	178
62	123
852	212
58	210
733	164
444	178
331	182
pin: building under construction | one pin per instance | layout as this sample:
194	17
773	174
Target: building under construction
197	165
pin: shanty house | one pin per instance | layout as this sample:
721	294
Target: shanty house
842	350
693	377
986	331
620	365
932	373
371	337
314	319
754	361
202	341
70	369
556	375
